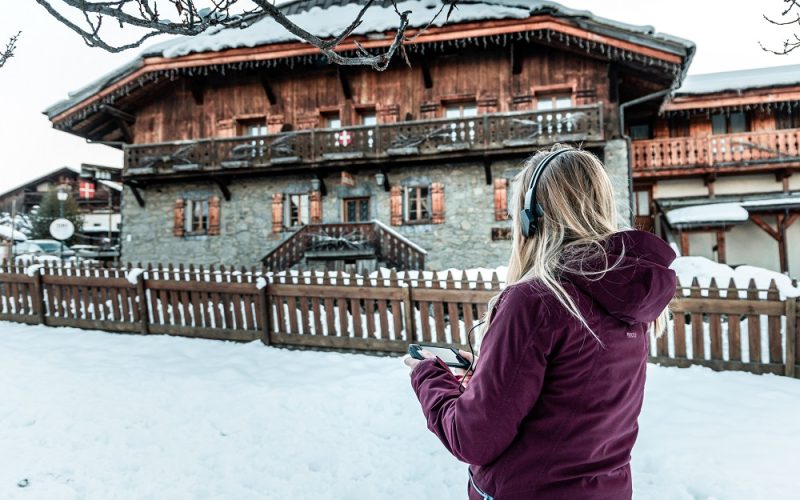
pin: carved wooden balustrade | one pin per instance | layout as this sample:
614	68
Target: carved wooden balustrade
412	138
388	245
675	153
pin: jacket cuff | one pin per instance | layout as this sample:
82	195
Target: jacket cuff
425	369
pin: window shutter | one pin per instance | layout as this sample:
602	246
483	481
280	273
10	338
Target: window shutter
437	203
501	199
396	205
277	212
315	207
178	218
213	216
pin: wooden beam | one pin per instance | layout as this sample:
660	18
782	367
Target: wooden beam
273	100
223	187
136	194
127	133
118	113
791	220
721	250
347	91
684	243
766	227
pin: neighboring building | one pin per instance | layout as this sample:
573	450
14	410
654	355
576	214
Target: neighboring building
717	169
97	190
234	140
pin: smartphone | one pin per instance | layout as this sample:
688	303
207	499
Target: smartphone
449	355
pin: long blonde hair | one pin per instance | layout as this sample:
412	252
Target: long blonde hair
580	212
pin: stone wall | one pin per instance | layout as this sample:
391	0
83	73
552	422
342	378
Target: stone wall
615	158
464	240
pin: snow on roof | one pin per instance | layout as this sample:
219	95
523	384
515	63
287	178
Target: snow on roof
776	76
326	18
7	232
116	186
710	213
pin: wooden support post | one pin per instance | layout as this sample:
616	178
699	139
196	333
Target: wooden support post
38	297
721	253
782	254
264	314
141	291
684	243
408	306
792	334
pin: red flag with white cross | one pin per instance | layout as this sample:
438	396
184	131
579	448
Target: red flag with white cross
86	190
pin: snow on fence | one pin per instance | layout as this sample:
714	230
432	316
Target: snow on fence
725	328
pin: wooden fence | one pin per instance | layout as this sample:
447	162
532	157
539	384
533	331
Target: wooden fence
725	328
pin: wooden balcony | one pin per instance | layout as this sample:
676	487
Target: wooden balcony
716	153
412	139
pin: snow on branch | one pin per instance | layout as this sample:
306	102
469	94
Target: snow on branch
8	52
789	16
149	18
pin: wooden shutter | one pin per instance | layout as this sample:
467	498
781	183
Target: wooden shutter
178	218
501	199
396	205
213	216
277	212
437	203
315	207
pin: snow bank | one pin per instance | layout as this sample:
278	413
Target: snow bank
7	233
133	275
94	415
704	269
713	212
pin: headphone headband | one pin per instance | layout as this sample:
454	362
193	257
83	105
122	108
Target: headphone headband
533	210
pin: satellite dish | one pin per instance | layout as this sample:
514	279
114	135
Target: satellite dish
62	229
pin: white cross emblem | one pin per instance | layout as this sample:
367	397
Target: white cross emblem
343	138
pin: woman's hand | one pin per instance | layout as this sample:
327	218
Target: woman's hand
412	363
461	374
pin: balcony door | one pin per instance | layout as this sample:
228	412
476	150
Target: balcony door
642	203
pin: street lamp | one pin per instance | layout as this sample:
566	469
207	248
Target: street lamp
62	197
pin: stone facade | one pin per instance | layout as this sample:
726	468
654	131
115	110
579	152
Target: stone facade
464	240
615	158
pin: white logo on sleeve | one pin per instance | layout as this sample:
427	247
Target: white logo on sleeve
631	335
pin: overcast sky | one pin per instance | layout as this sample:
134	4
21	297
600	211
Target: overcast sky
51	61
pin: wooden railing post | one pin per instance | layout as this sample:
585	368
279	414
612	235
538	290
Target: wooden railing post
408	306
141	291
38	297
264	312
792	334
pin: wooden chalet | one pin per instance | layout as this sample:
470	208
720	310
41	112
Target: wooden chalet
716	167
244	145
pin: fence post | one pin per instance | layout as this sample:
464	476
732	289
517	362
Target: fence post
144	319
264	306
38	297
408	306
792	332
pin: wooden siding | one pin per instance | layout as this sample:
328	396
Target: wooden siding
197	108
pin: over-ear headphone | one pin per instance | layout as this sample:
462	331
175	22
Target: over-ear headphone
532	210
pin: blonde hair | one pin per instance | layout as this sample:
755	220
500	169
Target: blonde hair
580	212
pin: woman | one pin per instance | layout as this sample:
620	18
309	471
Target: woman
551	410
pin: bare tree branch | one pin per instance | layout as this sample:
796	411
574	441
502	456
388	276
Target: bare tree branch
146	17
8	52
792	43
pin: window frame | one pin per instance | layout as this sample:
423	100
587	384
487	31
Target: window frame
195	224
553	97
357	200
460	106
419	208
303	210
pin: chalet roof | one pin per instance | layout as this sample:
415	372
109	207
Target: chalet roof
316	16
755	78
727	211
34	182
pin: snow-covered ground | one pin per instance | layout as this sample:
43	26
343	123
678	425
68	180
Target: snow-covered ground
88	415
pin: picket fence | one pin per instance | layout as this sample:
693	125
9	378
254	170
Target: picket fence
724	328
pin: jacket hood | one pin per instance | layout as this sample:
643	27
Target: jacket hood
639	286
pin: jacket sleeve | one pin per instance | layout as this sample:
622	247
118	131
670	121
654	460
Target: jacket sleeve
476	426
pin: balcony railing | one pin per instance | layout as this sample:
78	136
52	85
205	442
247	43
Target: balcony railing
413	138
774	146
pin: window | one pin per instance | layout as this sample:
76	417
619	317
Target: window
367	117
417	203
460	109
640	131
297	212
732	123
254	128
331	120
789	118
548	102
356	209
642	203
678	126
196	217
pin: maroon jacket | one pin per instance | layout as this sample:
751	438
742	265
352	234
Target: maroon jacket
550	413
